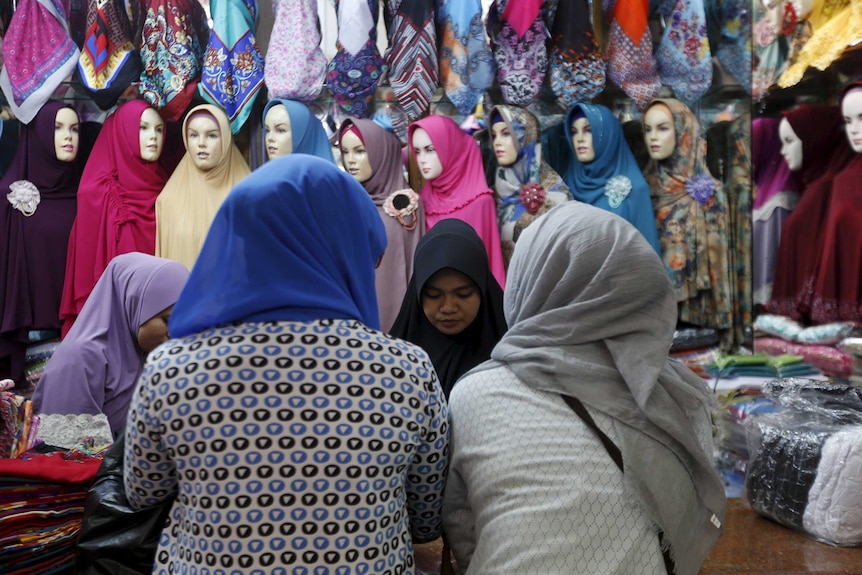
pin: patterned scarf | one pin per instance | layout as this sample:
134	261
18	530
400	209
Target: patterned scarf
577	65
517	31
45	55
233	68
466	63
729	27
295	64
354	72
631	65
412	54
684	60
172	41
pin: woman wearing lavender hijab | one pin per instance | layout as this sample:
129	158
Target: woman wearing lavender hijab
95	368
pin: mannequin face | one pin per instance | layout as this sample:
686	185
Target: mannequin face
426	155
66	134
154	331
851	108
505	147
354	157
276	127
802	8
204	141
152	135
582	140
659	132
791	146
451	301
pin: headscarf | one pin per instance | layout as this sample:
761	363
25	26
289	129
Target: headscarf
825	149
96	367
296	240
387	177
308	134
591	315
191	197
452	244
771	174
612	180
116	205
454	193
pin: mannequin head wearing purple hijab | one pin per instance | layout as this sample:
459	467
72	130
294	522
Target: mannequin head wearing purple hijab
95	368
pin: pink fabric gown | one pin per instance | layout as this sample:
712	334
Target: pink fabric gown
461	190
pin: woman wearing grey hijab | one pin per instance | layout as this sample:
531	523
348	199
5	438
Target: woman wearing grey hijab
591	315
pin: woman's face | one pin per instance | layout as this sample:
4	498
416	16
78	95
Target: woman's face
154	331
426	155
204	141
791	146
659	132
278	136
505	144
354	157
66	134
582	140
451	301
152	135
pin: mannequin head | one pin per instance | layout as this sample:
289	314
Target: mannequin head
582	139
152	135
66	134
278	136
504	142
659	131
791	146
354	156
851	109
426	155
203	137
802	8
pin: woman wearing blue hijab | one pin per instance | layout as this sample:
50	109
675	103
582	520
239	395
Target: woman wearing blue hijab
289	127
600	169
281	401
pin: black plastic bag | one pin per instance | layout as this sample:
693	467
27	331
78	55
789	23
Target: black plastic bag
115	539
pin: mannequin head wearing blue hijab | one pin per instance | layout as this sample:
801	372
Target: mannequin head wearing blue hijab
612	179
296	240
293	129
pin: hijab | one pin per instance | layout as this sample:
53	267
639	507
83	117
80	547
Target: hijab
191	197
387	176
612	180
307	132
771	174
116	204
825	149
452	244
591	314
296	240
463	177
96	367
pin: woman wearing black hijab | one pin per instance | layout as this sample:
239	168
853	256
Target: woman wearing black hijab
453	308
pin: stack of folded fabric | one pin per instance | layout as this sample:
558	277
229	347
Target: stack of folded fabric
18	425
760	365
818	345
696	348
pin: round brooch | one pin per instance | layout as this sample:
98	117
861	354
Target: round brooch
701	187
532	195
617	189
24	197
402	204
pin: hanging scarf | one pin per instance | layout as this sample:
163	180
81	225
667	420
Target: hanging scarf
44	55
519	49
296	240
683	56
631	64
190	199
172	48
233	68
412	54
691	217
466	63
770	52
452	244
577	65
307	132
529	167
295	65
729	28
109	61
354	72
591	316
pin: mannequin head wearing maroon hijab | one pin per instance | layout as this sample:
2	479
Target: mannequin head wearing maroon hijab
824	146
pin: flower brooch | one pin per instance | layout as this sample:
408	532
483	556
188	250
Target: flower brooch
701	188
24	197
618	188
402	204
532	195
